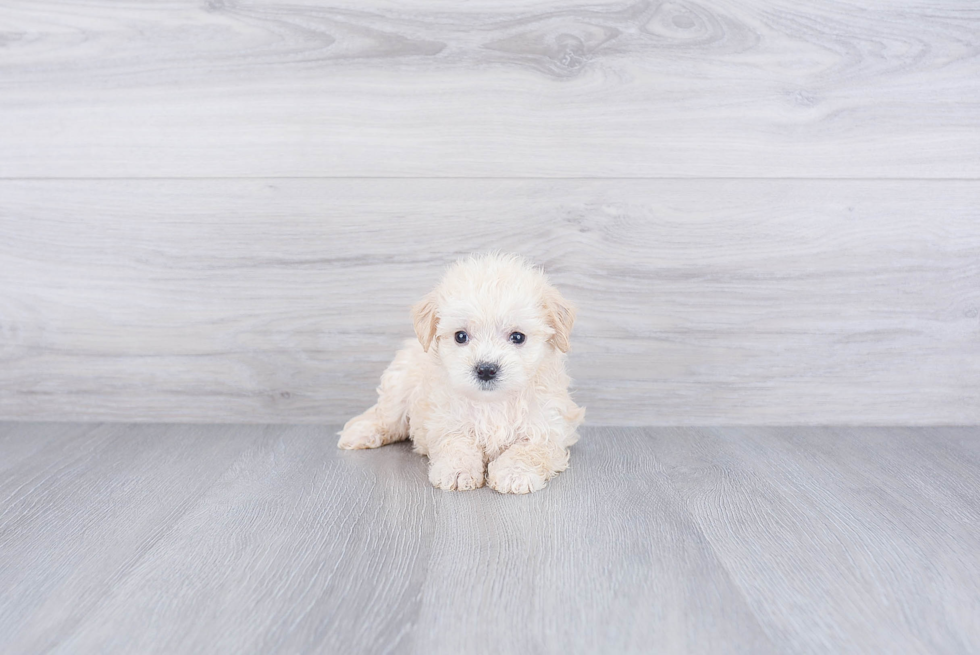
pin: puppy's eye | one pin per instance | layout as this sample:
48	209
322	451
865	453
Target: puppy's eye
462	337
517	337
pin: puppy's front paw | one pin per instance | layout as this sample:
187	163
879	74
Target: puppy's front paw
358	434
510	476
453	476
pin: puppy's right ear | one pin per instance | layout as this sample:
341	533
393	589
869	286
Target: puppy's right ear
425	318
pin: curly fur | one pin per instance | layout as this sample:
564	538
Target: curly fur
512	433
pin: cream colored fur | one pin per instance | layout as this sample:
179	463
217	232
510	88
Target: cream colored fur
514	436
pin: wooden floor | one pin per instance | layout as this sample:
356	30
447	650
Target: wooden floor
183	538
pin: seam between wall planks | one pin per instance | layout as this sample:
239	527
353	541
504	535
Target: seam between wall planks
483	177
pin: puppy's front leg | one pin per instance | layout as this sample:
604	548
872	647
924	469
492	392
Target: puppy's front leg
526	466
456	464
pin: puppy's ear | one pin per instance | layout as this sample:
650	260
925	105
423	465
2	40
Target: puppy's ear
425	318
561	316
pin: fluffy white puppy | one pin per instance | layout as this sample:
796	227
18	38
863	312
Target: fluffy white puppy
483	392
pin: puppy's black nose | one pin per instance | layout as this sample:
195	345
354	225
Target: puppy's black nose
486	372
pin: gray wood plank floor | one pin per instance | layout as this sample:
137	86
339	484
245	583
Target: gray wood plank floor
184	538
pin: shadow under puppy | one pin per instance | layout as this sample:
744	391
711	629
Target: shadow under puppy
483	392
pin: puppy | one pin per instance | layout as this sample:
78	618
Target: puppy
483	392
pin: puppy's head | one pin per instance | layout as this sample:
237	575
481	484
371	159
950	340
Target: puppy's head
493	321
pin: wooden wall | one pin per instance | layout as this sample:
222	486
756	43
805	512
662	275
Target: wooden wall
767	211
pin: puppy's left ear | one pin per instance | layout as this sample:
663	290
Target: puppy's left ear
425	318
561	316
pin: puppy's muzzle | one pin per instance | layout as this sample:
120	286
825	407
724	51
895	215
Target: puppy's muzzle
486	372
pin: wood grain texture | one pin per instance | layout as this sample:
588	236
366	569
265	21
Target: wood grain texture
79	515
257	539
221	88
890	510
622	561
712	302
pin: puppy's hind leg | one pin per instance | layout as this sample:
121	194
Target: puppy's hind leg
387	421
362	431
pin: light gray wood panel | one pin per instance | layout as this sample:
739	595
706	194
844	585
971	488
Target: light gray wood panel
606	560
298	548
808	521
16	447
79	515
771	88
254	539
779	302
